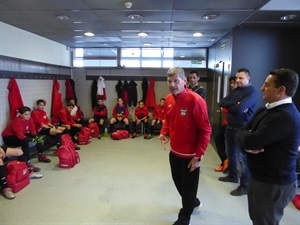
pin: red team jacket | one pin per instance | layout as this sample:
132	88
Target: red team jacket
100	110
39	118
63	117
18	127
159	112
141	112
187	124
123	111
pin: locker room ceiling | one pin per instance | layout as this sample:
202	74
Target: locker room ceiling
168	23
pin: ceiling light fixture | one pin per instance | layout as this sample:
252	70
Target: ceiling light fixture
191	44
134	16
288	17
128	5
198	34
62	17
142	34
147	44
210	16
89	34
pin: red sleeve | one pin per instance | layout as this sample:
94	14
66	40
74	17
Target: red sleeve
126	114
115	112
31	127
18	128
66	118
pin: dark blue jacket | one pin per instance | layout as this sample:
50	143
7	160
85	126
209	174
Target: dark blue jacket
277	130
240	103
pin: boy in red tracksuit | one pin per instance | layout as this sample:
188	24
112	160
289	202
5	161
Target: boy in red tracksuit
188	128
141	116
100	115
158	115
42	124
76	112
120	114
63	118
19	132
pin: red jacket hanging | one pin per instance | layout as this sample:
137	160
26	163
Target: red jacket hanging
14	98
57	103
150	99
69	90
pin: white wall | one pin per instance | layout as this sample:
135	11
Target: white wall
21	44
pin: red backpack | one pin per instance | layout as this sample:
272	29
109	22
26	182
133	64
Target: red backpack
94	129
17	176
66	153
83	137
120	134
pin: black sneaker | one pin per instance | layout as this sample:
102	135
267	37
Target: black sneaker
228	179
197	204
33	168
178	222
239	191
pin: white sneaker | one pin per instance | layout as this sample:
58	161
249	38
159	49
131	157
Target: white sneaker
35	176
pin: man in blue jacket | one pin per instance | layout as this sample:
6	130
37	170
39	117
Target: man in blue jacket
241	104
271	141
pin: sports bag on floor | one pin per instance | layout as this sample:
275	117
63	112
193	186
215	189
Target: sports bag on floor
66	153
83	137
94	129
120	134
17	176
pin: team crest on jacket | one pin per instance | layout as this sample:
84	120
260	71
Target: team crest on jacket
183	112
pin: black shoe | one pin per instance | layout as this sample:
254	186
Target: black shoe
197	203
33	168
99	136
178	222
228	179
77	148
239	191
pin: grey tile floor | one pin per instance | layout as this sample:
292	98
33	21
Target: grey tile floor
124	182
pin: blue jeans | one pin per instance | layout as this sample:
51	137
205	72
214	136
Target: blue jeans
236	155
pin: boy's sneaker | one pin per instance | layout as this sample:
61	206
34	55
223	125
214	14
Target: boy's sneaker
43	158
35	175
133	135
99	136
145	135
33	168
77	147
149	136
7	193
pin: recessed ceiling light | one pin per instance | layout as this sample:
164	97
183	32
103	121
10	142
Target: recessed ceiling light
198	34
288	17
134	16
62	17
210	16
89	34
147	44
142	34
212	39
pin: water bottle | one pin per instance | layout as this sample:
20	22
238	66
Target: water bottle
105	132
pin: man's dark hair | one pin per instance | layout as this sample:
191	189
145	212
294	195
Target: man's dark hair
287	78
246	71
194	71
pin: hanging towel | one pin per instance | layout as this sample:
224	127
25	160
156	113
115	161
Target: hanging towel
101	88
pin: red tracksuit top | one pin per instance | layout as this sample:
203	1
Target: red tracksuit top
187	124
63	117
19	128
159	112
39	118
141	112
100	110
